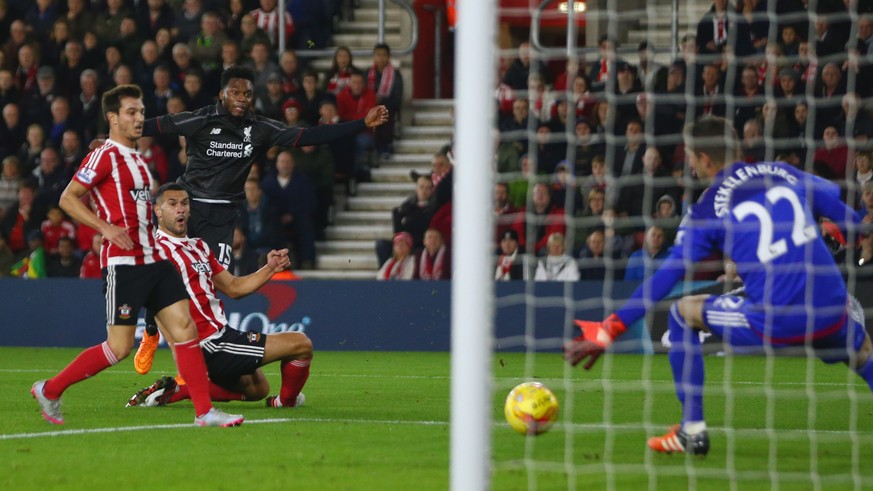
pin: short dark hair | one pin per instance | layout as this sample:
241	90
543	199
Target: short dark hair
170	186
112	98
237	71
382	46
714	136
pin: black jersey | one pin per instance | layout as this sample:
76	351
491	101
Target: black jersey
222	148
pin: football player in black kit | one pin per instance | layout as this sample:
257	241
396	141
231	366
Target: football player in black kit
222	142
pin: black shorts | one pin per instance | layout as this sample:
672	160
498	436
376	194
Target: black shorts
129	288
213	222
232	355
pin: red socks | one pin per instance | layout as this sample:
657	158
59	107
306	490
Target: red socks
294	375
89	363
216	393
189	361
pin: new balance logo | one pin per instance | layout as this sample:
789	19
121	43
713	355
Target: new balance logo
215	131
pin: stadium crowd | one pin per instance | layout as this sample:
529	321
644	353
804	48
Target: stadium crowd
591	168
57	58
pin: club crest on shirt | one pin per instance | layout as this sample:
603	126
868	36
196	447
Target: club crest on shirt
247	134
124	312
254	337
141	194
86	175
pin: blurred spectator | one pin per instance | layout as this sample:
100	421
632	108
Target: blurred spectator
40	18
316	162
828	96
72	65
604	66
387	83
187	22
193	93
269	103
866	206
545	218
435	260
91	262
10	175
293	195
230	55
12	131
206	45
154	15
32	265
95	54
341	69
251	34
61	121
853	122
588	147
63	263
243	261
52	48
164	40
108	21
86	105
51	176
506	216
145	65
591	218
156	99
593	264
31	149
182	64
556	266
79	17
833	152
6	258
258	219
8	91
509	263
596	178
233	18
343	150
550	149
652	76
749	97
18	37
15	227
412	216
291	112
565	193
752	143
267	18
642	263
130	40
401	264
710	93
310	98
861	265
518	186
513	129
353	103
288	65
154	157
829	41
862	170
71	152
260	62
123	75
789	41
38	102
716	28
626	88
25	74
517	74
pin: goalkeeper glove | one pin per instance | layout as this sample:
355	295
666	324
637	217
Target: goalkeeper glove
595	338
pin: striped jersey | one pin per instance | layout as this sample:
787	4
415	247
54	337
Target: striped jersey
197	265
120	184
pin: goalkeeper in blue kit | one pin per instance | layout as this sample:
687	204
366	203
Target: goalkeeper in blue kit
764	218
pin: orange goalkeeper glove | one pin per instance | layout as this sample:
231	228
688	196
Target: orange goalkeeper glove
595	338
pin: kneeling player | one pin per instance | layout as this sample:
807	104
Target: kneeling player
233	358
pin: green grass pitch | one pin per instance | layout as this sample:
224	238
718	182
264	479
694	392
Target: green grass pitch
381	421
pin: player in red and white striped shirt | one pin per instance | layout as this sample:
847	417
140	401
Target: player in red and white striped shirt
233	358
136	273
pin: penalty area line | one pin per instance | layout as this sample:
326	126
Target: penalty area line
120	429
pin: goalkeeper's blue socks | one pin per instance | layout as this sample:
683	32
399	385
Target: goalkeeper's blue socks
686	359
866	372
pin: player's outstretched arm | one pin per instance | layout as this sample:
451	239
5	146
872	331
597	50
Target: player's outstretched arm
595	338
71	202
240	286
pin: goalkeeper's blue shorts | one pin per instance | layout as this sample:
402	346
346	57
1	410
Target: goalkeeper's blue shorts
749	327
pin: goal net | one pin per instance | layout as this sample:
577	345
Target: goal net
590	181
